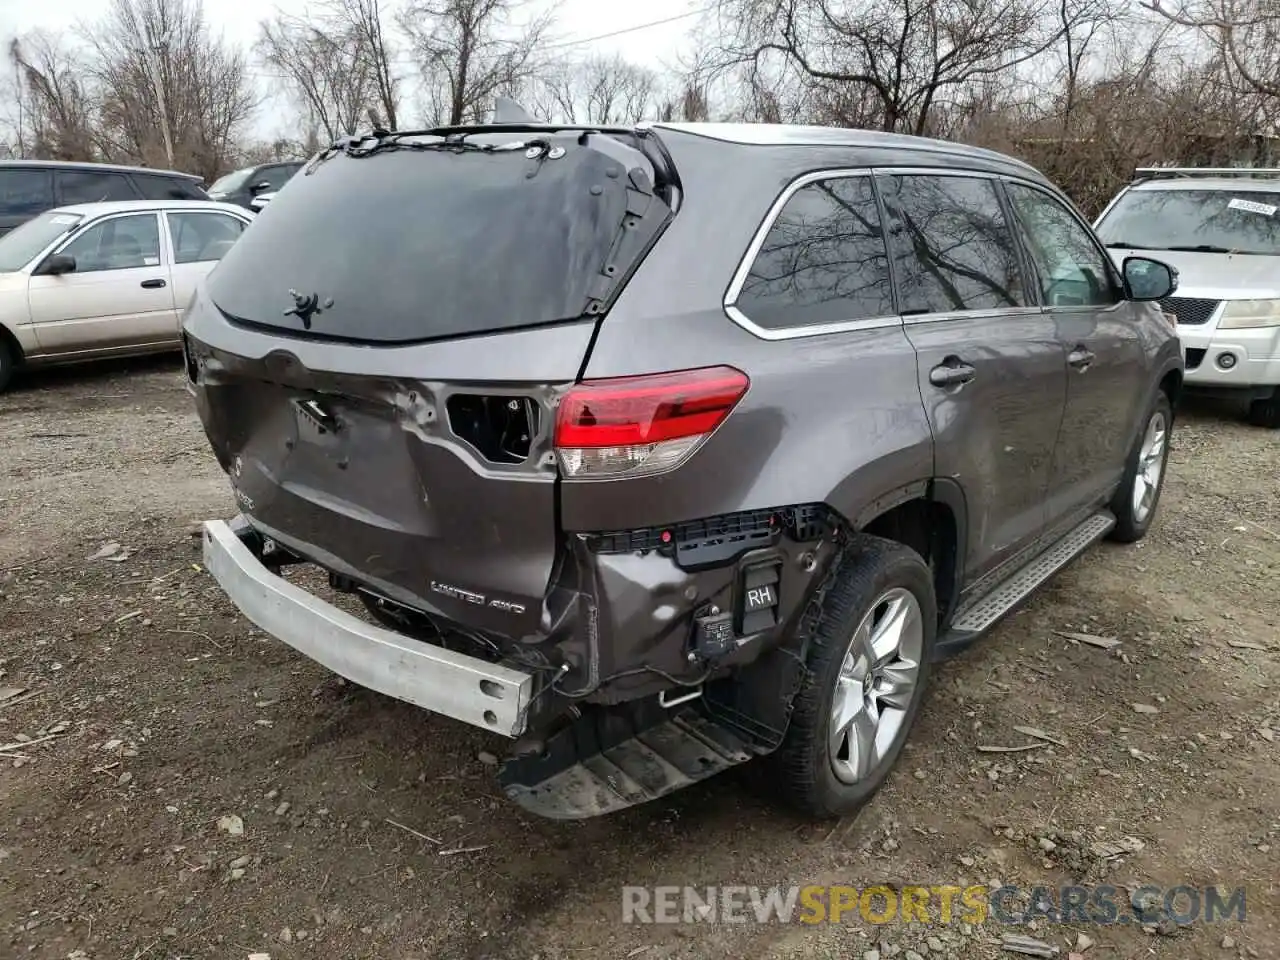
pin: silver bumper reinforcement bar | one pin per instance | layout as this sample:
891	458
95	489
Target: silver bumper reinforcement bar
483	694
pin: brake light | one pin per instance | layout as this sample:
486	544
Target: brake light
636	426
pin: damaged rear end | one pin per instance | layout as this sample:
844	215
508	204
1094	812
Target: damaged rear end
389	367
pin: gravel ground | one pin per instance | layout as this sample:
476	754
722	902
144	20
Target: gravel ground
175	784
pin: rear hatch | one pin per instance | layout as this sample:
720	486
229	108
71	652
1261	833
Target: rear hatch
377	360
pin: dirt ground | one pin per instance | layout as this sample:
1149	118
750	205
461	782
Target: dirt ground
151	716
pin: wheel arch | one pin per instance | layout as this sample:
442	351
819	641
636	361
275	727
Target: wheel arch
1171	385
930	516
10	340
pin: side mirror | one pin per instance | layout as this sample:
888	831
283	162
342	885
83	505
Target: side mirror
260	186
57	265
1146	279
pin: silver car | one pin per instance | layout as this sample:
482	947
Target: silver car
106	279
1220	228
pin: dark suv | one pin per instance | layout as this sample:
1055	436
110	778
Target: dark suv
241	186
659	450
30	187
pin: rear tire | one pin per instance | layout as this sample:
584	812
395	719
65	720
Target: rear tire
868	666
7	364
1135	502
1266	412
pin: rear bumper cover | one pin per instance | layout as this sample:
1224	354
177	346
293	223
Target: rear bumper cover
489	696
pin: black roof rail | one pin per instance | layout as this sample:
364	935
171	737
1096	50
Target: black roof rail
1174	173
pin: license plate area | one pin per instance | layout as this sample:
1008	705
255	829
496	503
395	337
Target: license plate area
315	422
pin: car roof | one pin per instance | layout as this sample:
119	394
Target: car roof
112	167
1225	184
797	135
125	206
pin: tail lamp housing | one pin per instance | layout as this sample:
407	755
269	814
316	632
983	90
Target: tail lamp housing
639	426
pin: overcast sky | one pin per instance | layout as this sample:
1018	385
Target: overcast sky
237	20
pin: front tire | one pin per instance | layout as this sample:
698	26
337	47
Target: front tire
1135	502
868	666
7	364
1266	412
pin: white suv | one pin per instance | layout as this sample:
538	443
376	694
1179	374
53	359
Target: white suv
1220	228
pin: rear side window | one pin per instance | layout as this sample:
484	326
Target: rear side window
198	237
822	261
155	187
952	245
92	186
25	192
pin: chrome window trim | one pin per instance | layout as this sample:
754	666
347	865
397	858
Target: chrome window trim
730	303
917	319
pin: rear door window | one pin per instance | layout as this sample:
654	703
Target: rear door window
93	186
24	192
198	237
953	247
823	260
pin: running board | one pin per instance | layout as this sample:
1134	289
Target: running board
981	616
684	748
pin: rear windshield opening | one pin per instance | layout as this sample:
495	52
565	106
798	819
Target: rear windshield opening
407	245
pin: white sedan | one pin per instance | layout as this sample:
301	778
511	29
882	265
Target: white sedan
106	279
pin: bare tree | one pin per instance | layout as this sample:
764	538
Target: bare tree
892	64
327	68
362	20
166	85
55	109
1246	31
597	89
469	51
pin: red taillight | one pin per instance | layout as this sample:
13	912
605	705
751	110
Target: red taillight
640	425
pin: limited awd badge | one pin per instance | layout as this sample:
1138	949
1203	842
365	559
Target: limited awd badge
237	467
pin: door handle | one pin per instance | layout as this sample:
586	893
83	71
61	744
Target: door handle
1080	358
952	373
153	284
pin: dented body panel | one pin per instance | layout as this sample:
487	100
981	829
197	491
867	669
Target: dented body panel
420	465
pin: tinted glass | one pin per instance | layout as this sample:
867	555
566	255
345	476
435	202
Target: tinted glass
91	186
1240	221
1072	270
25	192
117	244
420	244
24	243
277	176
199	237
823	260
231	182
952	245
155	187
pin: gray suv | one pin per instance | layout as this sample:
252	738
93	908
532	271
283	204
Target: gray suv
661	450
